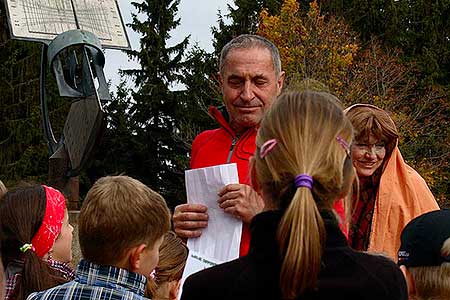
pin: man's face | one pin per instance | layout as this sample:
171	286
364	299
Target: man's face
249	86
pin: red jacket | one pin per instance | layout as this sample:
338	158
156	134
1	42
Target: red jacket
220	146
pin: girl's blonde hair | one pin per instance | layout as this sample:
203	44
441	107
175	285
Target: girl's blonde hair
3	189
173	254
433	282
307	126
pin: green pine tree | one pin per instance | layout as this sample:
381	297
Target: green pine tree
155	106
420	28
244	15
24	153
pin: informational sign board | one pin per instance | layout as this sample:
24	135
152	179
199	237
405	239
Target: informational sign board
43	20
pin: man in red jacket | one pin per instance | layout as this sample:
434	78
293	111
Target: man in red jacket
250	77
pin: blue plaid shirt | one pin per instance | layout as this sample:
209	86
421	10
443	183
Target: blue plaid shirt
93	281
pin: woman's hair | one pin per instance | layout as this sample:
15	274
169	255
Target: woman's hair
173	254
432	282
307	127
370	120
21	214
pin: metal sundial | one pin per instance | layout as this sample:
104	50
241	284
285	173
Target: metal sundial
72	33
76	59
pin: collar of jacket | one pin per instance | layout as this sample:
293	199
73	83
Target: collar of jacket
110	277
264	228
223	121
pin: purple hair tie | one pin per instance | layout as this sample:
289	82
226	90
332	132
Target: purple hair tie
303	180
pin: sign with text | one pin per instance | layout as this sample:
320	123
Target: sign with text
43	20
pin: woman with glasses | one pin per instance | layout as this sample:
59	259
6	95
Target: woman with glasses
391	193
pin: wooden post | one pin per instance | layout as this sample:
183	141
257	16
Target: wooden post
58	165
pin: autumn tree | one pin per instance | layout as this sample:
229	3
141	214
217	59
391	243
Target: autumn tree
244	18
323	48
420	28
310	46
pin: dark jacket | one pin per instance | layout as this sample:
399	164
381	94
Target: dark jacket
345	274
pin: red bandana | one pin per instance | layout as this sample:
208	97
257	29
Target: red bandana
45	237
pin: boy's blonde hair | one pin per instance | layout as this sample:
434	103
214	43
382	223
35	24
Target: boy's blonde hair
312	135
120	212
433	282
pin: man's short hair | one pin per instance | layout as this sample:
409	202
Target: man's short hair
433	282
425	251
249	41
120	212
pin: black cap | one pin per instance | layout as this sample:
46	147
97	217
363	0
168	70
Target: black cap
423	238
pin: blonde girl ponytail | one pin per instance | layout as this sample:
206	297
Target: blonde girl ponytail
309	131
301	235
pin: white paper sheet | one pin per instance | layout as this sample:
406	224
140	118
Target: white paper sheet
221	239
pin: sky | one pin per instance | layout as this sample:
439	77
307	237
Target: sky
197	18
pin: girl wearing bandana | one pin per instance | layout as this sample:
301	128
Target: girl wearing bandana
36	240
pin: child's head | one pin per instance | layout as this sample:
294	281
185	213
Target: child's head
302	165
32	218
173	254
120	221
424	255
32	222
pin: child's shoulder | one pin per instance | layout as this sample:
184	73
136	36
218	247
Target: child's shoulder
74	290
63	269
63	291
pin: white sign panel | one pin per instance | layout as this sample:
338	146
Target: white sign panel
45	19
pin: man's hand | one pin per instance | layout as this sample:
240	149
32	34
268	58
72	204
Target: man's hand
241	201
189	219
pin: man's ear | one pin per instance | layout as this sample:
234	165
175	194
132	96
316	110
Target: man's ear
409	280
280	82
134	257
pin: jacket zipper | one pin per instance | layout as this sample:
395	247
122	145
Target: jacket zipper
233	143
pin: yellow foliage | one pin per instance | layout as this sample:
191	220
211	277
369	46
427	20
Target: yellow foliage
310	46
323	48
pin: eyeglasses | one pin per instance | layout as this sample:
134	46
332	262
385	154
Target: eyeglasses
369	148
